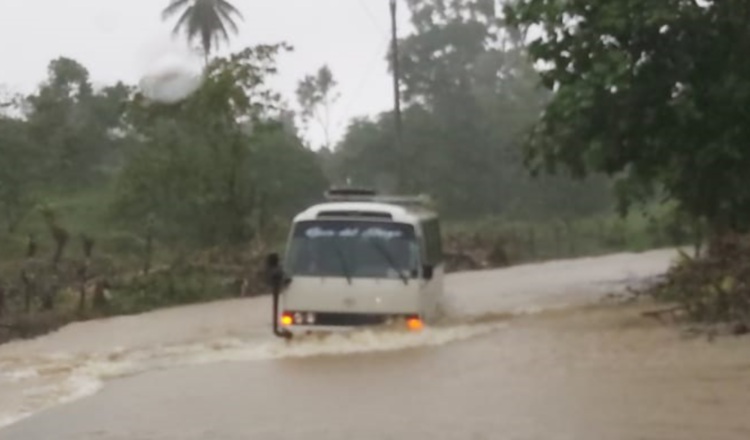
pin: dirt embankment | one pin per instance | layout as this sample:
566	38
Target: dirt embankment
38	295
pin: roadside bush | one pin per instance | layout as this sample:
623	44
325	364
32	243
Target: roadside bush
714	288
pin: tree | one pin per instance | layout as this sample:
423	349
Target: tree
315	95
19	171
215	167
74	125
470	92
9	102
365	157
653	93
209	20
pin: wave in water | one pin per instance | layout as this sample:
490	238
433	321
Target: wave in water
56	380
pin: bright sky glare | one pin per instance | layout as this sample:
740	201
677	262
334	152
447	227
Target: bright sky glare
119	40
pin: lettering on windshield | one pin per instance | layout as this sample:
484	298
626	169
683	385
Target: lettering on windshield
318	232
370	232
385	234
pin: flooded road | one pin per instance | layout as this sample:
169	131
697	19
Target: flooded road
524	355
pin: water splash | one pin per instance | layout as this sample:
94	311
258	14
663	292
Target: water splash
57	380
33	379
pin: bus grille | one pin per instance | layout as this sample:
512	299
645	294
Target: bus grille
349	319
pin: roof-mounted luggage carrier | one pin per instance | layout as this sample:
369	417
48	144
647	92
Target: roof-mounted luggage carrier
367	195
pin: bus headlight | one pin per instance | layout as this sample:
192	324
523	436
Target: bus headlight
298	318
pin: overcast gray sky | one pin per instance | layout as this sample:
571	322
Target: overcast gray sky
116	40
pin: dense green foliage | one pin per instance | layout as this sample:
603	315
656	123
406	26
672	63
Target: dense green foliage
650	92
470	93
112	202
209	169
654	94
128	193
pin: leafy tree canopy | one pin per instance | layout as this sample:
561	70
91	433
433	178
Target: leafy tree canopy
653	92
210	21
213	167
470	92
315	95
75	126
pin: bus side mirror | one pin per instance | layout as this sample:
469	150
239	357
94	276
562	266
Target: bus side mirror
275	278
272	260
427	271
274	274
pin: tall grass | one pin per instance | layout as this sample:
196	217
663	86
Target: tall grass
525	241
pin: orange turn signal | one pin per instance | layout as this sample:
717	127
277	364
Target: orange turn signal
286	319
414	323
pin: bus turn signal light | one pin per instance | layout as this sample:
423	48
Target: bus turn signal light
286	319
414	323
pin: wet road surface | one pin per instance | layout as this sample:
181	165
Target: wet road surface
526	354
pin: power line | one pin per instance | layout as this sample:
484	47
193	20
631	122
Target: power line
368	73
366	77
373	20
397	94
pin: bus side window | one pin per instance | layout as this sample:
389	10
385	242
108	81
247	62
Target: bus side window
439	242
433	242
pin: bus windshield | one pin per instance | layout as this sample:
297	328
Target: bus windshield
353	249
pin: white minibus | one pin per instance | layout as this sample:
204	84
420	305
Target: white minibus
359	259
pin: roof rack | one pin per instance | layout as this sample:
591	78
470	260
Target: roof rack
365	195
350	192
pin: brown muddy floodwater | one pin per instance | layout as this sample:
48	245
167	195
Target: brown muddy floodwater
527	353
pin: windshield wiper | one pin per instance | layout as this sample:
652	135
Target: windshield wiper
387	255
342	258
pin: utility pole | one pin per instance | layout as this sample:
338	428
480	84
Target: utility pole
397	98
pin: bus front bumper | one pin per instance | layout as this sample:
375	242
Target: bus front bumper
326	322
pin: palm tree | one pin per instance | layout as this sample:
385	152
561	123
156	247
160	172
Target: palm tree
205	19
